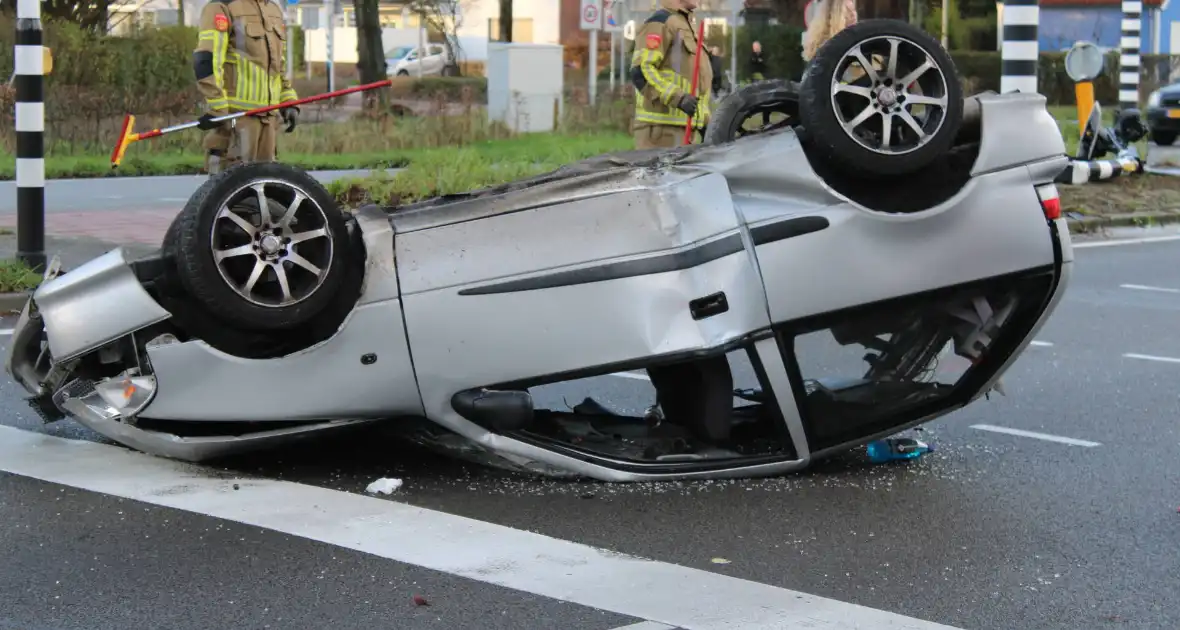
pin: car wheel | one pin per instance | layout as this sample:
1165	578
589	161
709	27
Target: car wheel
171	237
881	97
262	245
1163	138
757	103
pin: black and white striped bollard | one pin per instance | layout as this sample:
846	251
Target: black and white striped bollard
1129	54
1018	56
30	135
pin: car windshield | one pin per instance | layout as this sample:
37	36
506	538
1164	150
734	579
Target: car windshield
398	53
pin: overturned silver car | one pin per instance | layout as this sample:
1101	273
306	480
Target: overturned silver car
885	214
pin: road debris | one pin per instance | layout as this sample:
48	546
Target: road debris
719	561
892	449
420	601
384	485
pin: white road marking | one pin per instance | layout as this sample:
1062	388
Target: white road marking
1150	357
1144	287
1043	344
1038	436
633	375
1126	241
5	331
646	625
679	596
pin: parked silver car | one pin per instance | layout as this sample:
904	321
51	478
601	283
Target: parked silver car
410	61
885	228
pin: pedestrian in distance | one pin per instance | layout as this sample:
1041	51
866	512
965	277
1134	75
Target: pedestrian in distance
661	71
757	62
239	64
715	60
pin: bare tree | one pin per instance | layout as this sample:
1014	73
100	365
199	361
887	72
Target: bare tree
506	21
370	51
444	17
89	14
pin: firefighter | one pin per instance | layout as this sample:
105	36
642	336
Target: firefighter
661	70
239	65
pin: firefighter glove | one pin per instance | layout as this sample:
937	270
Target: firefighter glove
206	122
291	117
688	104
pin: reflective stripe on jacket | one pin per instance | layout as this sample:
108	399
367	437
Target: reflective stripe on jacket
661	70
240	59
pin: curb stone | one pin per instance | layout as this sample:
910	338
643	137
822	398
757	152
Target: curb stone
13	302
1088	225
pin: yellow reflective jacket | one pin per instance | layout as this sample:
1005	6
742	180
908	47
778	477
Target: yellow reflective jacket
240	60
661	69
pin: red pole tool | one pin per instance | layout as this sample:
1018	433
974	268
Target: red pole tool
127	136
696	74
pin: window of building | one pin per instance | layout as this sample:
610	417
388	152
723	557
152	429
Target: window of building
309	17
522	30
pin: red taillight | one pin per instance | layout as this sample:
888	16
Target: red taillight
1050	201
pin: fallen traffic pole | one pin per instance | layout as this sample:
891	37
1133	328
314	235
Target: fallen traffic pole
128	135
1084	171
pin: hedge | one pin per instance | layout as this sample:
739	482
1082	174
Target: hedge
151	70
152	62
979	70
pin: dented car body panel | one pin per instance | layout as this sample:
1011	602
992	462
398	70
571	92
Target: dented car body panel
643	260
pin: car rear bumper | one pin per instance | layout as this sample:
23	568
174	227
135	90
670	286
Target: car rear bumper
1158	119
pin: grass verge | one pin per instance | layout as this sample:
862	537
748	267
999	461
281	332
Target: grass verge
17	277
1145	192
437	172
537	147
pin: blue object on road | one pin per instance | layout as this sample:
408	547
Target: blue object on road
892	449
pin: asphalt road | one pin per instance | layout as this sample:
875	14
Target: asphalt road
1073	527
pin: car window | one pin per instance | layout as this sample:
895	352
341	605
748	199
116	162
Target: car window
398	53
435	50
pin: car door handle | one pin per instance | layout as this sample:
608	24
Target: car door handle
708	306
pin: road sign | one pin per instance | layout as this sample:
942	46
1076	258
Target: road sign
591	14
612	11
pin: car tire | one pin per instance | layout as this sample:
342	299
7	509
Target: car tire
1163	138
776	95
828	116
268	282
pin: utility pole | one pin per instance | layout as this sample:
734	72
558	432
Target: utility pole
332	45
290	40
945	14
737	7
